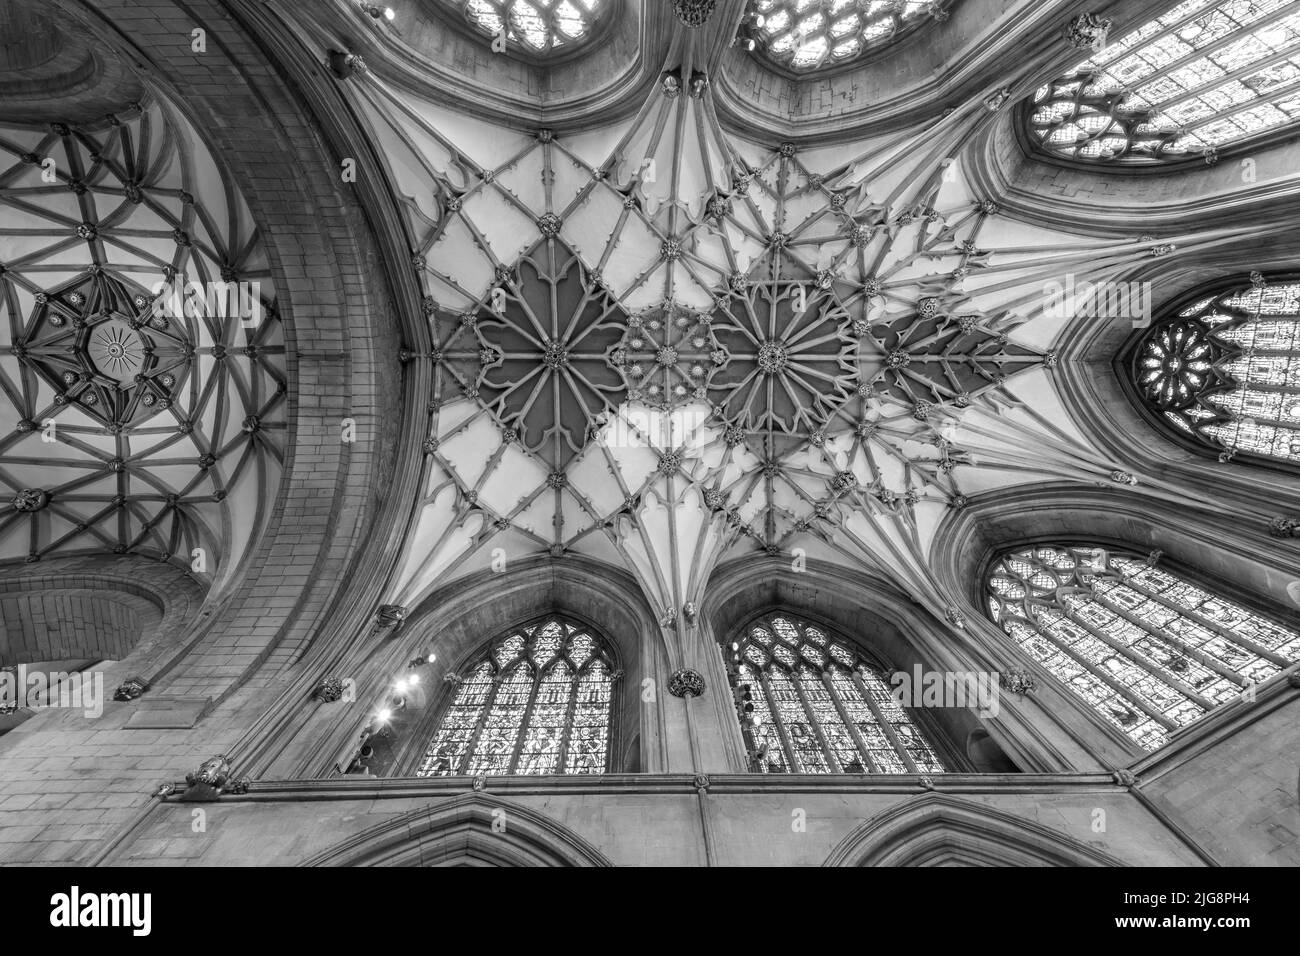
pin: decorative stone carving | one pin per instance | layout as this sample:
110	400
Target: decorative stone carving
211	779
694	13
954	616
1087	31
670	462
701	782
1124	778
31	499
329	690
685	682
1284	527
131	688
1123	478
343	65
1018	682
996	100
549	225
390	615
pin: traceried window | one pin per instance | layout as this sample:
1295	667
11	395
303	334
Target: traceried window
818	707
1148	650
536	26
807	34
1201	77
1225	370
537	703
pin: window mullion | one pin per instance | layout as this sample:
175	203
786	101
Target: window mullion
1177	643
885	725
1252	67
566	732
1150	667
521	736
1225	633
1229	38
481	723
1164	32
814	723
852	727
791	758
1129	695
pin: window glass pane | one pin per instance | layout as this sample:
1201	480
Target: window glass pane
536	26
538	702
1227	370
1202	76
1147	650
817	707
803	35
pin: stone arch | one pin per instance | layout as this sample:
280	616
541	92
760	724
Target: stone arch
1206	547
873	614
1090	383
1125	358
610	73
344	317
457	621
941	830
460	832
128	610
1196	540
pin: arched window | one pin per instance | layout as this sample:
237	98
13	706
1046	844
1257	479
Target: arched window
1150	651
1225	370
806	34
537	26
537	703
818	707
1201	77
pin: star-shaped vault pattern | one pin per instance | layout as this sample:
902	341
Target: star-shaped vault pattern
660	343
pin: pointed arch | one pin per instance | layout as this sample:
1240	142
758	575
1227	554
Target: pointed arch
941	830
1218	372
537	700
1145	647
810	703
466	830
1197	79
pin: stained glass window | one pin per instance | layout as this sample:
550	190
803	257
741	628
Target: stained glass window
1225	370
1148	650
809	704
807	34
537	26
538	702
1202	76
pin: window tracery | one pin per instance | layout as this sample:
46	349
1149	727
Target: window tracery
1200	77
1225	370
537	26
806	34
538	702
818	707
1149	651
